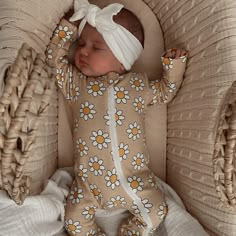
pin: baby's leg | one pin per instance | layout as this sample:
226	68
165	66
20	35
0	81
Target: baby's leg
147	212
80	211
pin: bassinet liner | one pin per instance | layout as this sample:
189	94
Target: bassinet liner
201	119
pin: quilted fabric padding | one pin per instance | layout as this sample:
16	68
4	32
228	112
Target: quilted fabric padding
28	124
198	165
29	133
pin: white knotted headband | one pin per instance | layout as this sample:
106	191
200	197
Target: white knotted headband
124	45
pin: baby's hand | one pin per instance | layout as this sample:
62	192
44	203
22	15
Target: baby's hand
175	53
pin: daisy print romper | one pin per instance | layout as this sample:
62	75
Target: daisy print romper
111	159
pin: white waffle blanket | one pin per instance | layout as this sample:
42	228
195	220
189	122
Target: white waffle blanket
42	215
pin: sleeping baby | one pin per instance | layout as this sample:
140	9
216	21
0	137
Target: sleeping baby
109	104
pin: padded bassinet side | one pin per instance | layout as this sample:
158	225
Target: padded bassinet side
201	123
29	105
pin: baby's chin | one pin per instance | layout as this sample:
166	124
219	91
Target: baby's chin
87	72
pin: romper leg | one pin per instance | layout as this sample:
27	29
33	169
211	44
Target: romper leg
80	211
148	211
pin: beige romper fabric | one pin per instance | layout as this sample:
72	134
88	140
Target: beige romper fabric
111	159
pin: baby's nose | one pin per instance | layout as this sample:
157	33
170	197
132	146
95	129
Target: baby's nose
84	51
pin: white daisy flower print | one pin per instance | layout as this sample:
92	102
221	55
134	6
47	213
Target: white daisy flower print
82	172
82	147
137	84
121	95
147	205
134	131
183	58
76	125
73	226
60	77
89	212
155	86
138	161
95	191
171	86
74	89
119	117
152	180
63	32
112	179
133	233
90	233
116	201
163	210
81	76
96	88
49	53
123	150
154	100
135	208
87	111
76	195
139	105
167	62
64	60
96	166
139	223
135	183
100	139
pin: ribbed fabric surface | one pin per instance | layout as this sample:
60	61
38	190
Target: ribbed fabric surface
28	126
27	21
28	157
195	163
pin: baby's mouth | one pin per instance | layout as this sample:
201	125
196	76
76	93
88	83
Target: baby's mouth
82	62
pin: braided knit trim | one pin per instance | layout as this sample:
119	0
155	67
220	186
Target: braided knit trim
224	158
25	99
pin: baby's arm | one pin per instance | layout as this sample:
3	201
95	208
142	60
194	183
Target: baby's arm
57	55
164	90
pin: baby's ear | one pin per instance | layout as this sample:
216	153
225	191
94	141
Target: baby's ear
122	68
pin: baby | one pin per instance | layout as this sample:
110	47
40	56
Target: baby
109	104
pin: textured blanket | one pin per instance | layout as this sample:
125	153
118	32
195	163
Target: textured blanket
42	215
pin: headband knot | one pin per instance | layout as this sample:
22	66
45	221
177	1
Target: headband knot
124	45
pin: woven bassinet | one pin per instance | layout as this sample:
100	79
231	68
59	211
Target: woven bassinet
201	132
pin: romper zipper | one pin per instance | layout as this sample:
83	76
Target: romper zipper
117	161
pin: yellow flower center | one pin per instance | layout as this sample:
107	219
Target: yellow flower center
96	166
59	77
71	227
80	173
139	161
100	139
137	83
135	131
139	105
117	202
113	178
95	88
121	152
95	192
166	61
120	94
86	110
134	184
76	195
81	147
165	210
116	117
156	85
91	211
62	34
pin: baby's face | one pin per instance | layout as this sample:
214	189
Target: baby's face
93	57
